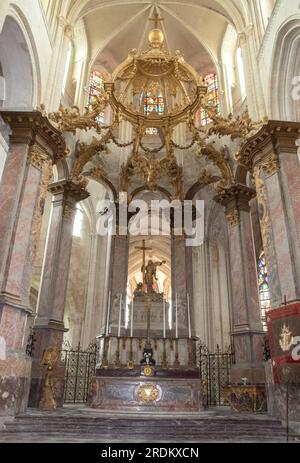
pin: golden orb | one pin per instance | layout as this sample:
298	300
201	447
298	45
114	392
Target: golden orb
156	37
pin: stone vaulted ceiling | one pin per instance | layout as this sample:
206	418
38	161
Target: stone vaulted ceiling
114	28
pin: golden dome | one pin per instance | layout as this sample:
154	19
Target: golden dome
156	37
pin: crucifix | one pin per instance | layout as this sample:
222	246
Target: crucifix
156	18
144	249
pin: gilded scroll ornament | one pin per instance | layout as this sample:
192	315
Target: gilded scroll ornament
39	211
38	156
271	165
264	215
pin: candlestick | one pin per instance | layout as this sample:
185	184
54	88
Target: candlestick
108	314
131	320
176	317
164	319
120	316
189	316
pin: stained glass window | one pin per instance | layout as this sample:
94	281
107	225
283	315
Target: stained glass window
96	87
263	286
154	103
211	81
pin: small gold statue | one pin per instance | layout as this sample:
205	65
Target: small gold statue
149	271
49	360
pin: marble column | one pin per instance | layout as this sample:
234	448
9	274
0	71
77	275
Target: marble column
34	145
96	305
247	331
118	277
49	327
182	282
276	171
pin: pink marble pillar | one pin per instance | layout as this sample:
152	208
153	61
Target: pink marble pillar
180	278
49	325
118	277
273	156
282	188
247	331
32	150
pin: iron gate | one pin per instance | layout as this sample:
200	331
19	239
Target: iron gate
215	374
79	368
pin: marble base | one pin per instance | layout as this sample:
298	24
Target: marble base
14	385
246	398
142	394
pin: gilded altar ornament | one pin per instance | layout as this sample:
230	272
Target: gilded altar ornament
148	393
49	360
286	340
154	73
148	370
263	211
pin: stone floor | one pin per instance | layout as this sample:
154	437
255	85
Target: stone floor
80	424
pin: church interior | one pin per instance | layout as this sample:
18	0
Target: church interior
150	220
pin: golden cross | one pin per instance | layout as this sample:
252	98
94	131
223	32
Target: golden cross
144	249
156	19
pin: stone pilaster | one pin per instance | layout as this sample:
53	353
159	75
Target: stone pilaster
118	276
49	326
247	331
181	282
34	146
272	155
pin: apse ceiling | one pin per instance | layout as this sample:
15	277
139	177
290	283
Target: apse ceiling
115	28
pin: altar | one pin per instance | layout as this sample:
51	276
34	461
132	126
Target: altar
150	369
147	357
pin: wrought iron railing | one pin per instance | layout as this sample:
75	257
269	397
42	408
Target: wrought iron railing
80	366
215	374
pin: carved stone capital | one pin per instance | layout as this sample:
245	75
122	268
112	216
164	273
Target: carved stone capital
236	197
274	138
33	127
67	188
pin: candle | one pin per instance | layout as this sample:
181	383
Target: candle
189	316
120	317
176	317
131	320
164	319
108	315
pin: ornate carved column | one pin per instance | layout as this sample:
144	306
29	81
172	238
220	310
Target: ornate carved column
49	326
34	146
247	331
